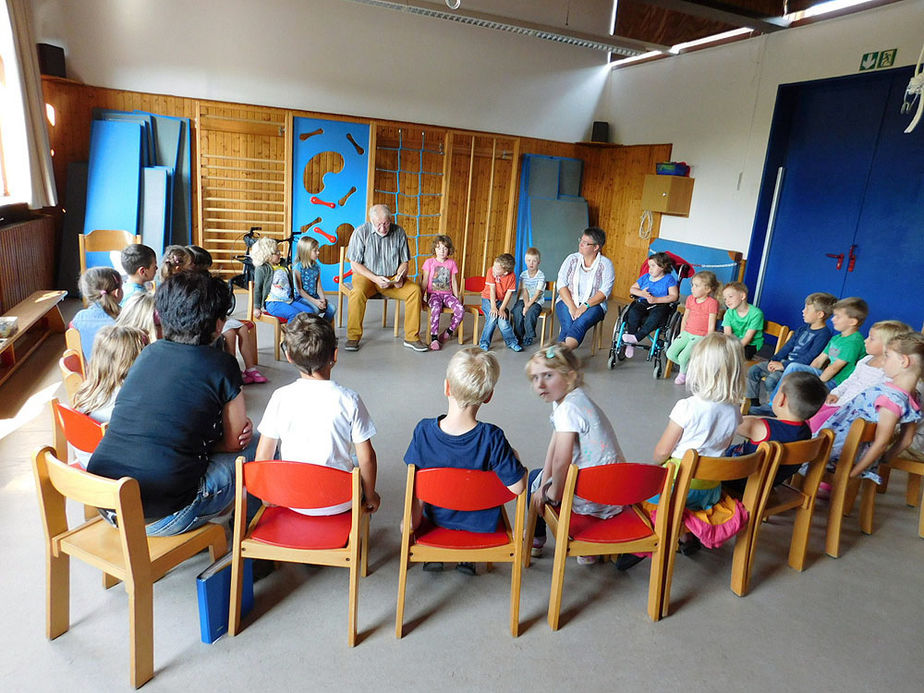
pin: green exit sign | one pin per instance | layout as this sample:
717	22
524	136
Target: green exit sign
878	60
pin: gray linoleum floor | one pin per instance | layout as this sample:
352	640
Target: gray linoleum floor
851	624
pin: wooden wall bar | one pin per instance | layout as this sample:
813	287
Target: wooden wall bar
237	150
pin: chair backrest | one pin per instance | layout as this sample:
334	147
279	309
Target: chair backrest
250	301
620	484
72	341
781	332
861	431
474	285
71	366
753	466
460	489
76	428
101	240
343	285
57	481
297	484
814	452
550	288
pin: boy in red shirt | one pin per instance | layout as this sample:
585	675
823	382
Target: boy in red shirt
498	294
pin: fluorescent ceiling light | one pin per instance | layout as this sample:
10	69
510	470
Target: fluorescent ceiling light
675	49
824	8
635	58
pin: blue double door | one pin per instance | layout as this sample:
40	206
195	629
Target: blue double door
849	217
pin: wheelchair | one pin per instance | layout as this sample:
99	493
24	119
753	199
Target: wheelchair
661	338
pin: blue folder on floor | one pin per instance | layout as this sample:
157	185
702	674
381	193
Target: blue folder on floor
213	587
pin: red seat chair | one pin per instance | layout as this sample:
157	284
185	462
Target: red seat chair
631	531
461	489
278	533
76	428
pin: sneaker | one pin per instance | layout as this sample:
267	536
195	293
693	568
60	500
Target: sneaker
466	568
435	345
252	375
484	347
433	567
681	379
824	490
416	345
445	337
538	544
587	560
627	560
690	546
352	345
528	342
515	347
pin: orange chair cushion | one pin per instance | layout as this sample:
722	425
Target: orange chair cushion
286	528
430	535
626	526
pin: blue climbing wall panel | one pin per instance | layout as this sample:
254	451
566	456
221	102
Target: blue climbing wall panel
330	212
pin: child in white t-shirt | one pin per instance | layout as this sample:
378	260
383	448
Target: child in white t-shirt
525	312
315	420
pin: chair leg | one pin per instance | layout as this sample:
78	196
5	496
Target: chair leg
364	548
741	567
354	593
885	471
921	522
558	583
141	633
402	588
531	517
867	505
516	579
57	594
913	490
277	336
237	590
656	584
798	547
836	514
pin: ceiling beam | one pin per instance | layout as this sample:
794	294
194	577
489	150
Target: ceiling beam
613	44
720	12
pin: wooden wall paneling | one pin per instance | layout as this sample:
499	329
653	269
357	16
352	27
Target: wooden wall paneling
370	181
289	175
509	230
487	216
447	185
468	210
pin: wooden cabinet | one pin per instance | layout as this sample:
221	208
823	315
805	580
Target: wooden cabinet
667	194
27	259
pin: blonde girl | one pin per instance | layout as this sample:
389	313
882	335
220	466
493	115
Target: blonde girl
139	312
117	347
308	276
706	422
889	404
236	333
700	312
441	289
102	289
176	258
581	435
271	285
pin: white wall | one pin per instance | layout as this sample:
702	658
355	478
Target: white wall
716	106
330	56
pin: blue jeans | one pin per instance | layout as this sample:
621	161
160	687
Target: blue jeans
490	322
327	313
215	495
576	329
796	368
287	311
540	523
524	326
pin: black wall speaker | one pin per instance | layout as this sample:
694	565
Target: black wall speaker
600	131
51	60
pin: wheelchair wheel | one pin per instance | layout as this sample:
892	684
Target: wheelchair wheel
611	361
233	297
658	370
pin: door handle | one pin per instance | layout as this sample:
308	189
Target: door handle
852	259
839	257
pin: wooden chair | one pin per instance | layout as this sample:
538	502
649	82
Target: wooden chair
631	531
71	366
278	533
472	287
72	341
754	467
774	329
799	496
915	469
100	241
345	289
461	489
82	433
844	489
547	315
277	323
124	552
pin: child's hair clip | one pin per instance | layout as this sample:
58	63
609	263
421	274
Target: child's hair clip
550	352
